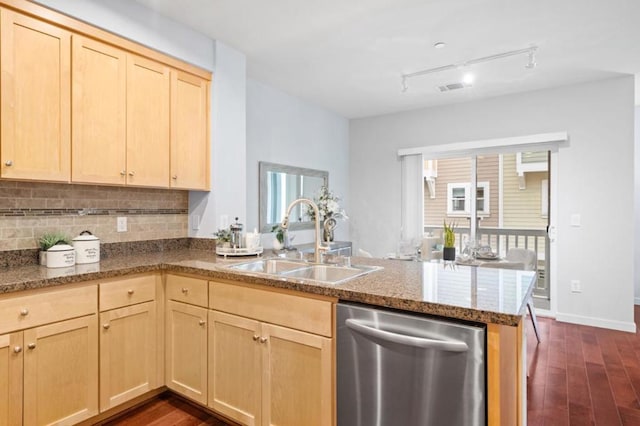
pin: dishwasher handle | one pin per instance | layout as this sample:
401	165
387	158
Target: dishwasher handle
416	342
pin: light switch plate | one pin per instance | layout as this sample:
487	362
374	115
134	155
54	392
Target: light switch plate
576	287
121	224
575	220
195	222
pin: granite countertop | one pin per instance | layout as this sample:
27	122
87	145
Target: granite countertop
486	295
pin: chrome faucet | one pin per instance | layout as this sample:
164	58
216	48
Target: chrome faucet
285	225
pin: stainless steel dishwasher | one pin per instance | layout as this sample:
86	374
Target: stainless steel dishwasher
402	369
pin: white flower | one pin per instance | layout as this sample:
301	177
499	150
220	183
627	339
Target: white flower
332	206
328	206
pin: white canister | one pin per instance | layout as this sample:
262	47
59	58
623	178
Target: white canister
252	240
87	248
429	246
61	256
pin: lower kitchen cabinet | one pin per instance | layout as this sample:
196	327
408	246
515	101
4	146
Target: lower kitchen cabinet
263	374
128	353
235	367
11	379
257	356
60	378
49	356
186	350
296	377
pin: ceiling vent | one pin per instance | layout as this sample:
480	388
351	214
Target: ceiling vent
453	86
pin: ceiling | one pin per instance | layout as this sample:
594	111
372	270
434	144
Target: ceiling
348	55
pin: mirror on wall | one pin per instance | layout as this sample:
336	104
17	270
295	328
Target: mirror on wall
279	186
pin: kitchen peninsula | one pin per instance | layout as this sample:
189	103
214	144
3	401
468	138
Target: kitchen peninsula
493	297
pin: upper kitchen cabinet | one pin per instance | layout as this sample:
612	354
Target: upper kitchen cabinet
147	122
35	95
79	104
99	112
120	117
189	131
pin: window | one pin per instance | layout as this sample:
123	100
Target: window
458	199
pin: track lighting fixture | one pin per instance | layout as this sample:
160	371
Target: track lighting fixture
531	63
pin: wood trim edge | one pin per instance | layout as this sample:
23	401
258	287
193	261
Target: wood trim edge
503	377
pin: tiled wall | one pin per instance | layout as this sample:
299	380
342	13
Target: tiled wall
28	209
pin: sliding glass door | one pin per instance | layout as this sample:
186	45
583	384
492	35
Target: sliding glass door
497	200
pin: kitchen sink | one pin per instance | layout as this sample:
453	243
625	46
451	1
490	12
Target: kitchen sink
270	266
332	274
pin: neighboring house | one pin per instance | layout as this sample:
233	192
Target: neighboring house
512	191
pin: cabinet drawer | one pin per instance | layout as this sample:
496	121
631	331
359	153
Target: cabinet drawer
20	312
297	312
187	290
128	291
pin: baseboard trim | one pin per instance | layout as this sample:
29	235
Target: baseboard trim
546	313
597	322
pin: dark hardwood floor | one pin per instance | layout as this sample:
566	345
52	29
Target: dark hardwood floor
583	375
578	376
167	410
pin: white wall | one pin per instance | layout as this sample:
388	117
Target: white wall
636	214
595	179
228	96
287	130
228	153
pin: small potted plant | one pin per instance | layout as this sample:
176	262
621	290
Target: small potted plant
278	242
223	238
48	240
449	250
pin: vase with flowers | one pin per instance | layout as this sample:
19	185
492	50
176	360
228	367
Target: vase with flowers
330	211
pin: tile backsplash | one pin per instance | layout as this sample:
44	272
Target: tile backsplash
28	209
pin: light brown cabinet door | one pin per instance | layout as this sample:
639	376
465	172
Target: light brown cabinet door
189	131
297	378
61	372
235	370
148	122
35	93
99	113
128	349
11	353
186	353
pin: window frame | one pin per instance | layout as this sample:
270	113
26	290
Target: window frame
544	198
486	199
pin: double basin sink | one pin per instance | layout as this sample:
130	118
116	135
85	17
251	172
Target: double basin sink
287	268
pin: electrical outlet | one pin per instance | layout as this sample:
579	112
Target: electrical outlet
576	287
121	224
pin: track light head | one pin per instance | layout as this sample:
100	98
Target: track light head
531	63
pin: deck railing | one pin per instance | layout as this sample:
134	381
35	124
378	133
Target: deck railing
501	240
